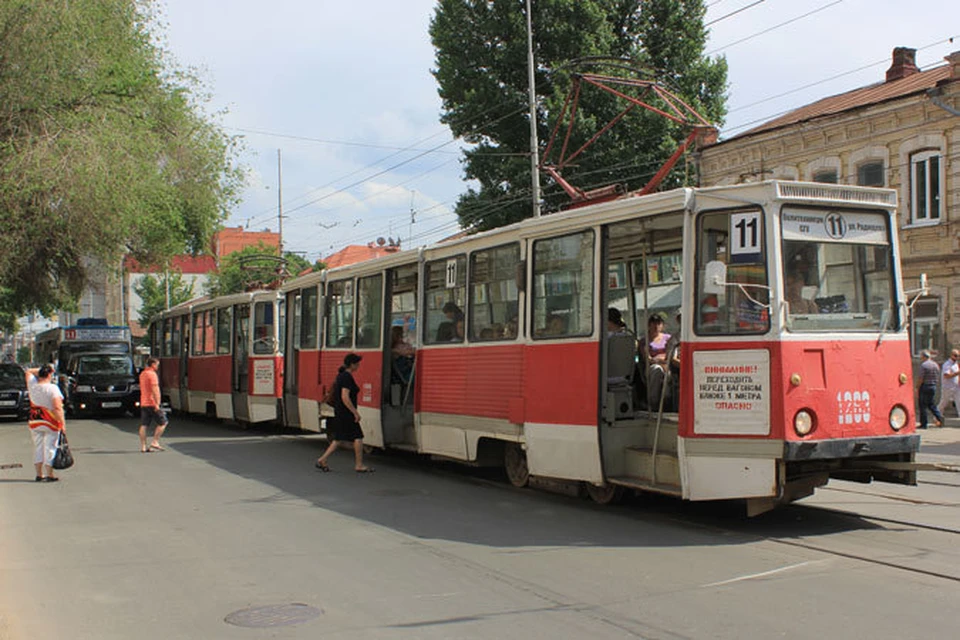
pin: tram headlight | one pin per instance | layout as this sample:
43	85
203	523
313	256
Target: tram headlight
803	422
898	418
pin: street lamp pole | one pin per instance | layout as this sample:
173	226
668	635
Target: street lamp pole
534	143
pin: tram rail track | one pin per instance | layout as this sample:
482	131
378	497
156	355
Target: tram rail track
689	517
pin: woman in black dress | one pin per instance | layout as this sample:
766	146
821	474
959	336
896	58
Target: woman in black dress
345	426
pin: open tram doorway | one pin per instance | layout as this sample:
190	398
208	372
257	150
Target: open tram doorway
291	359
241	362
399	357
640	392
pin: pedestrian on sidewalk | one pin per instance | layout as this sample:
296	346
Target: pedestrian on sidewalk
927	390
46	420
950	382
150	411
345	425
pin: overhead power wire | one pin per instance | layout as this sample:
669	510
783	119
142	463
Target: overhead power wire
839	75
774	27
733	13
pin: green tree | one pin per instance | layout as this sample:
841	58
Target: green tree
481	70
153	291
104	148
254	267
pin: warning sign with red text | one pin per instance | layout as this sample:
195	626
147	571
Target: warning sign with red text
731	394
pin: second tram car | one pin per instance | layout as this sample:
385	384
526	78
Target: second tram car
740	342
222	357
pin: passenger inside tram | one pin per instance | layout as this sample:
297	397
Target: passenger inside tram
452	329
402	355
653	351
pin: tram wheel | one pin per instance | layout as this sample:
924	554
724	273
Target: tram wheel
605	493
515	463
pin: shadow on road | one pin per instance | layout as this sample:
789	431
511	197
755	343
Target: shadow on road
448	501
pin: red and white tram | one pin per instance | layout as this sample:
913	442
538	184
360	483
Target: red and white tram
792	367
223	357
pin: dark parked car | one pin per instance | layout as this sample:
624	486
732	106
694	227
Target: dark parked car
14	401
98	382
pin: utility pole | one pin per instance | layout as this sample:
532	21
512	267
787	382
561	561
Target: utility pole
280	201
534	143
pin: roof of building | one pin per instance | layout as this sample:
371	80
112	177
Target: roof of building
180	264
856	99
354	253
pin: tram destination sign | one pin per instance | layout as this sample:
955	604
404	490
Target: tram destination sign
731	392
833	226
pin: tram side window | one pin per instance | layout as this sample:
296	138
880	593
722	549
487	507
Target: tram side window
263	320
369	311
563	286
494	293
403	303
198	334
209	332
340	314
177	332
168	337
735	239
308	318
224	324
446	287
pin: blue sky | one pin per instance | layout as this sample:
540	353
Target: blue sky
343	88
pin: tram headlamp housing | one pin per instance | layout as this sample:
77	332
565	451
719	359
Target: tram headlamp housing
898	418
803	422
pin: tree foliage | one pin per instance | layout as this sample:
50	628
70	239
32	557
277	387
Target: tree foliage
104	149
254	267
481	70
153	291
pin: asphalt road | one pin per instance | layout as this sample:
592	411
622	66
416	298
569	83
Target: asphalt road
173	544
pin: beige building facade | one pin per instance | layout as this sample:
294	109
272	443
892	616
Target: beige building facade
903	134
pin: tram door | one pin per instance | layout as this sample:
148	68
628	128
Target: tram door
643	290
181	339
241	361
399	358
291	361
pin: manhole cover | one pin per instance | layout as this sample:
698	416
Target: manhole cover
278	615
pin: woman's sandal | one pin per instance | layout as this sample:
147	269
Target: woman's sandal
322	467
365	470
51	479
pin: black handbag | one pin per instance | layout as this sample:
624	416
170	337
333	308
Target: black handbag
63	458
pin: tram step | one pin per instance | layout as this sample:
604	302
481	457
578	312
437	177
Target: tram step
644	484
639	463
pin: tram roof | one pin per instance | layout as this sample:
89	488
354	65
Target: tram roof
630	206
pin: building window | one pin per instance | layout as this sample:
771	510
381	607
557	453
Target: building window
925	187
826	175
870	174
926	332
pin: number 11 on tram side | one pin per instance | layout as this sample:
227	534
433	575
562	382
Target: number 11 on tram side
742	342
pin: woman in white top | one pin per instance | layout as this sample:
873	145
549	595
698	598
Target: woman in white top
46	420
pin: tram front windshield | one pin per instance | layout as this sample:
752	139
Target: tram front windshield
837	270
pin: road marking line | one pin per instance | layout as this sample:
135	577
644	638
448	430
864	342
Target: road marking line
762	574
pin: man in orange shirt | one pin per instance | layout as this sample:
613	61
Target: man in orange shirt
150	412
